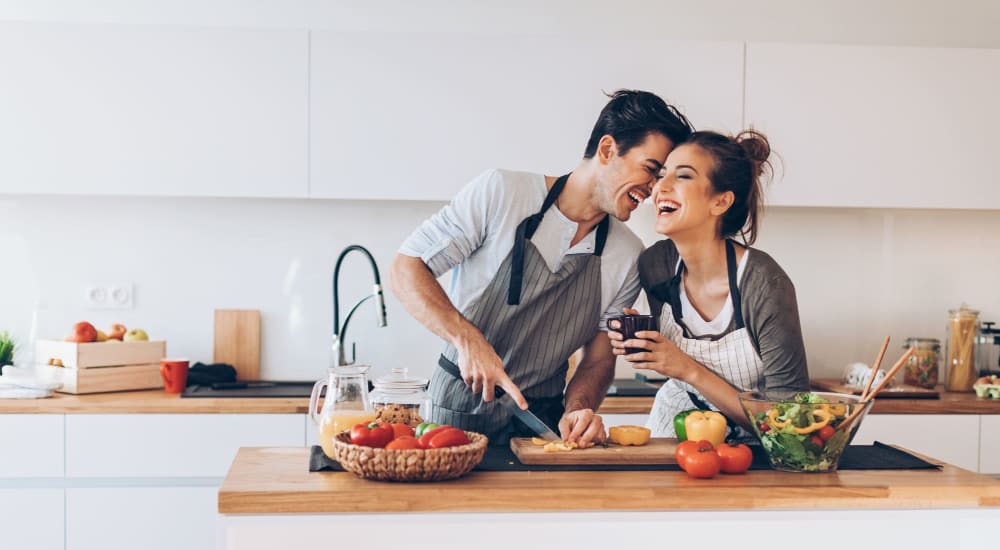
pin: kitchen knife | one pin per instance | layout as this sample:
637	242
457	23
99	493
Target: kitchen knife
525	416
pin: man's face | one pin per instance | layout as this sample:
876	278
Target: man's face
628	179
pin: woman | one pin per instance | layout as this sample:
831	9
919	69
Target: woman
727	313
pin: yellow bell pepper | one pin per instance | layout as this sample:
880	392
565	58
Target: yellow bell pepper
823	417
772	416
707	425
629	435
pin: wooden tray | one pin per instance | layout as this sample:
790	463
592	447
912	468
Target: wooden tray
899	390
659	450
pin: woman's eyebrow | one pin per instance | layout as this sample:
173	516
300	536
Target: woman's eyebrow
688	166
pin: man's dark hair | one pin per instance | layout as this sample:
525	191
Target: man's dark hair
631	115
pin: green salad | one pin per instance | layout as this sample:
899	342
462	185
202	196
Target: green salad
801	434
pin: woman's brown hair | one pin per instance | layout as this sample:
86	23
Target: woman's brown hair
740	163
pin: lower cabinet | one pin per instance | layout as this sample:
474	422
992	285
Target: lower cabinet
989	444
32	518
151	518
953	438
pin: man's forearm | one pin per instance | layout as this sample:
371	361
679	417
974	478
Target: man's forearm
593	377
422	296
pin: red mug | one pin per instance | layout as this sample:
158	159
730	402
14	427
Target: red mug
175	374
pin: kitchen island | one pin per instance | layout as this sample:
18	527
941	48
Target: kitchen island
269	499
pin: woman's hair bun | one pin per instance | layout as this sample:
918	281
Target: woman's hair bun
756	147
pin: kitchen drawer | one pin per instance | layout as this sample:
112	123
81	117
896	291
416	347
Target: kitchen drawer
151	518
953	438
989	444
31	518
170	445
32	445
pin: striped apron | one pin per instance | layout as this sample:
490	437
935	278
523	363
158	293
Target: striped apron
733	357
534	318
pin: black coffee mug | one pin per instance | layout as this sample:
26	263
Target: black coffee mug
628	325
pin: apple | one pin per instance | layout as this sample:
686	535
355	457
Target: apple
83	332
101	337
135	335
117	331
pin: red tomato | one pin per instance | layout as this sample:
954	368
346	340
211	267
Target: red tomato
399	430
425	439
403	442
705	463
817	441
684	450
734	459
826	432
452	437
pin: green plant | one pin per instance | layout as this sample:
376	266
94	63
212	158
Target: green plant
7	346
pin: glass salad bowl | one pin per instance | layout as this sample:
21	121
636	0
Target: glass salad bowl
804	431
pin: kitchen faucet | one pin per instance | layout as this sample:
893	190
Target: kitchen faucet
340	332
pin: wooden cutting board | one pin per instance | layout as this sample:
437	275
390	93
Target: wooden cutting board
899	390
237	341
659	450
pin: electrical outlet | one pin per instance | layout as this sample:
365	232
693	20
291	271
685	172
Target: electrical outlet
109	296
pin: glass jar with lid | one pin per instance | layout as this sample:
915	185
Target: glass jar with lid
961	350
921	368
397	398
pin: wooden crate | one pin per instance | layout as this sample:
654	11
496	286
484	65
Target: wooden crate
103	379
99	354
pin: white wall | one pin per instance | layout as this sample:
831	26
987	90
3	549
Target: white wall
860	274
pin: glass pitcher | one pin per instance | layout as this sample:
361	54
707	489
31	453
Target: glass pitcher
345	405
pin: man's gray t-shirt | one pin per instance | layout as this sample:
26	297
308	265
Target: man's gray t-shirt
770	311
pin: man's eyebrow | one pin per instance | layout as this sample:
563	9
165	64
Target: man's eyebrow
656	164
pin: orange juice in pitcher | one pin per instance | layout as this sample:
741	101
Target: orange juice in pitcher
346	402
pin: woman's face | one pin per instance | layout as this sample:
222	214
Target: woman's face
684	199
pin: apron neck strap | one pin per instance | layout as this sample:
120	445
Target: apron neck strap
526	229
734	291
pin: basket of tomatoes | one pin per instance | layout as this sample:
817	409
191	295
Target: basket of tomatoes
399	452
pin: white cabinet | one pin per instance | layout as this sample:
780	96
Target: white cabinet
416	116
866	126
170	445
153	110
953	438
152	518
31	445
989	444
32	518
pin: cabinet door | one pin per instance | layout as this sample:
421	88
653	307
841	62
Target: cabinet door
407	116
866	126
152	110
153	518
953	438
170	445
32	518
989	444
32	445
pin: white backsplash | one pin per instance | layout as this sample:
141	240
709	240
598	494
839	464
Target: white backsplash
859	274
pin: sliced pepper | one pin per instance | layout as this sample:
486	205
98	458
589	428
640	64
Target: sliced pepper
772	417
679	428
706	425
824	417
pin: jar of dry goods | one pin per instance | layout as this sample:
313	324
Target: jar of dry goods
921	368
960	351
397	398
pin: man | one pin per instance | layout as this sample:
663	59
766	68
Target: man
539	266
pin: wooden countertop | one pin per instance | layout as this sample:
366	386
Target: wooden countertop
157	401
277	481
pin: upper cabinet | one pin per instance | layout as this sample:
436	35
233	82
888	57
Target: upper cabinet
146	110
878	126
416	116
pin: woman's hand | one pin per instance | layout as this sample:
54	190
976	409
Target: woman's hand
615	335
659	354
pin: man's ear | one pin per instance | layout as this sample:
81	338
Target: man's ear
607	149
722	202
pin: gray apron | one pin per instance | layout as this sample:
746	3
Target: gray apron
535	319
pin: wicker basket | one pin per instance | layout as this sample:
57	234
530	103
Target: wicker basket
409	464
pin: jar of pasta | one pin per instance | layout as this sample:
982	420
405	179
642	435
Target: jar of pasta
960	350
921	368
397	398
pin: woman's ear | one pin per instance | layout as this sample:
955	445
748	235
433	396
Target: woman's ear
607	148
722	202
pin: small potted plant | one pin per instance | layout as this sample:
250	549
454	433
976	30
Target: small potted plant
7	346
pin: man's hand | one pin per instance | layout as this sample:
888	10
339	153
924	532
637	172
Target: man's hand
582	426
482	370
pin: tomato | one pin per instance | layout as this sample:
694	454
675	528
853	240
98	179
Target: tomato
704	463
399	430
425	439
734	459
817	441
684	450
451	437
764	426
826	432
403	442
